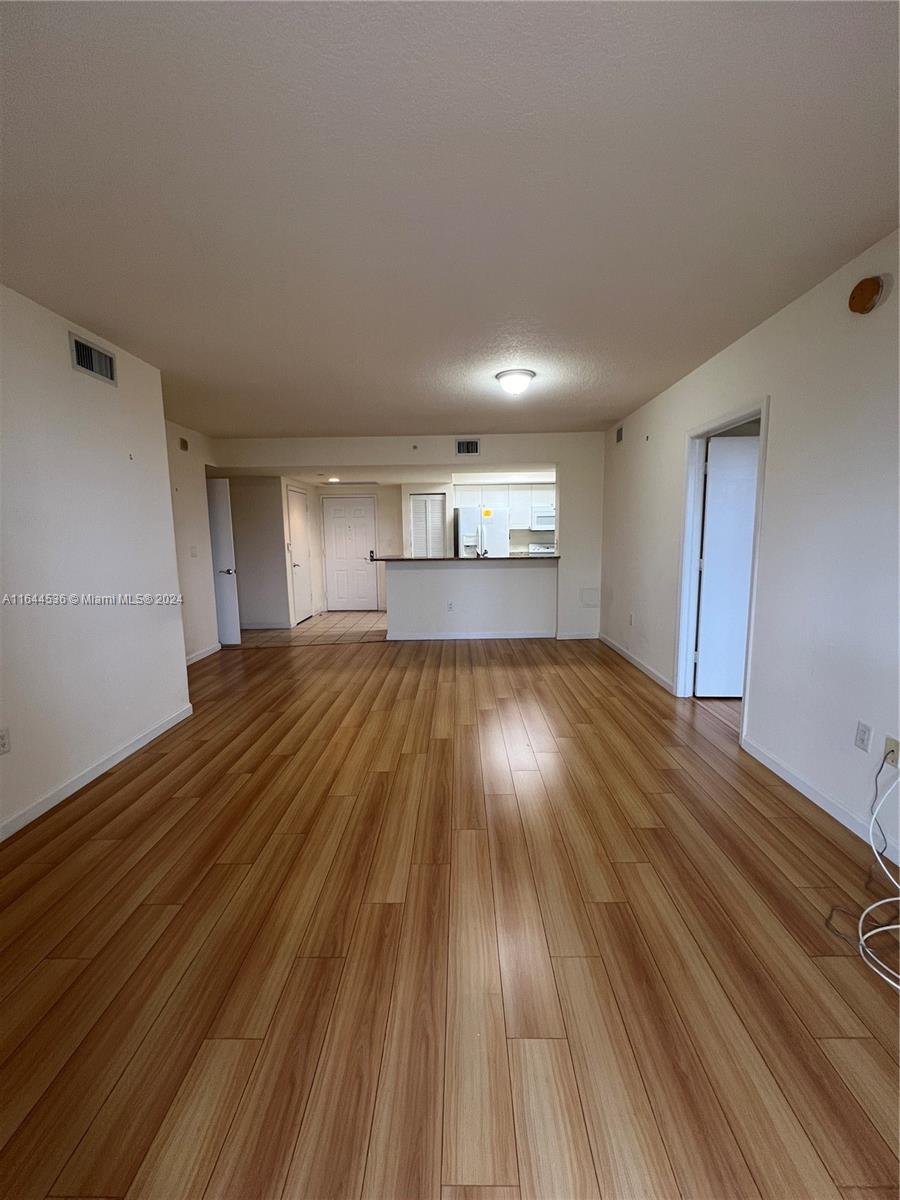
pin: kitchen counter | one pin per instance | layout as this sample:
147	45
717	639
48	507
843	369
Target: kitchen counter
392	558
438	598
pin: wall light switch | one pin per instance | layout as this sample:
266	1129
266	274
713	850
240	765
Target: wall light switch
863	736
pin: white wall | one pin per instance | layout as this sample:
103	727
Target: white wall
824	647
86	509
259	519
190	510
490	598
578	458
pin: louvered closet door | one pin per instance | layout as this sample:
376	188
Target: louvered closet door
428	523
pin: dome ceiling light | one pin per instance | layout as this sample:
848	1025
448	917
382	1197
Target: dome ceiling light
515	382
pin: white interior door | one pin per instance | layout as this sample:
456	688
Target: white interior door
729	512
350	580
224	574
298	549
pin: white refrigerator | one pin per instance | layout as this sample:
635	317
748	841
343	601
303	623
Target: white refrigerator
495	532
482	532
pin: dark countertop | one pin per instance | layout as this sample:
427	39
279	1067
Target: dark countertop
391	558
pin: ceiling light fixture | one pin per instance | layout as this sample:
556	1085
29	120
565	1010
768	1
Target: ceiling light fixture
515	382
333	479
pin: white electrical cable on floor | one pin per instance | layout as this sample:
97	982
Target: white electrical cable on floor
869	957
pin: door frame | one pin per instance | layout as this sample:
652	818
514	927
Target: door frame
288	488
691	542
348	496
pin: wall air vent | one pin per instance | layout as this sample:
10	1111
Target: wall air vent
620	433
467	447
93	360
183	444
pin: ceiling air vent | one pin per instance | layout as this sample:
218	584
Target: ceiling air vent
467	447
93	360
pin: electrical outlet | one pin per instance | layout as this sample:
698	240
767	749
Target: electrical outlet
449	606
863	736
4	741
891	751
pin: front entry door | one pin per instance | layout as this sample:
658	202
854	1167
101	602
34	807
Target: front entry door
350	580
301	575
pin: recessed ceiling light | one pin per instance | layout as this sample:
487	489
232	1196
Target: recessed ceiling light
515	382
333	479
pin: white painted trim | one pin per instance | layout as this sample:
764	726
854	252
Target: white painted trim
641	666
192	658
846	818
59	794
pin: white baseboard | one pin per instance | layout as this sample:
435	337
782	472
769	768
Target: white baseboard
59	794
197	655
641	666
849	820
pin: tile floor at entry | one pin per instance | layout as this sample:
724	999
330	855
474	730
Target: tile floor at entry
349	627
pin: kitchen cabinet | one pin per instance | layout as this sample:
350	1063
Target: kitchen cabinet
495	495
467	494
519	498
520	506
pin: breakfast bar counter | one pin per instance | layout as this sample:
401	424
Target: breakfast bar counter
437	598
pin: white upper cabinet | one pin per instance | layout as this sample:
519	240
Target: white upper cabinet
520	505
495	495
519	498
466	494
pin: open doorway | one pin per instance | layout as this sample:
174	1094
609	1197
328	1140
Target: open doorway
725	470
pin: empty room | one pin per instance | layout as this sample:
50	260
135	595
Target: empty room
449	674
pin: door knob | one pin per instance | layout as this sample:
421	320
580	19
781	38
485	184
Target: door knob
228	571
293	564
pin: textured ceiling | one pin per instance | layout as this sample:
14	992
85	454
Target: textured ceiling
345	218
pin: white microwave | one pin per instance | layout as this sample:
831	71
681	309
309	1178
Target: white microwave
543	516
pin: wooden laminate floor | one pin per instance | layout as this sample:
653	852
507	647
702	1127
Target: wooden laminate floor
460	921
